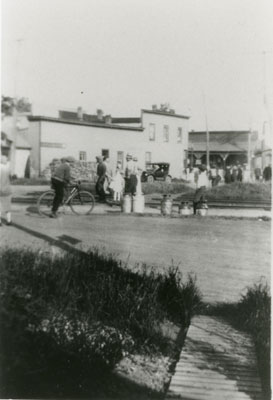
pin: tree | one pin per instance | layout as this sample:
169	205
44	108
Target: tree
8	104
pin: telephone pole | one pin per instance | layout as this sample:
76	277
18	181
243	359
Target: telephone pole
18	48
267	121
207	133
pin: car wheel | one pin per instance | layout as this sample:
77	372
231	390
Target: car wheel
168	179
150	179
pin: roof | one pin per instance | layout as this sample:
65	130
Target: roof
222	132
73	115
217	147
221	141
129	120
84	123
166	113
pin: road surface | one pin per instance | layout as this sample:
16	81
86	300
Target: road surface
226	255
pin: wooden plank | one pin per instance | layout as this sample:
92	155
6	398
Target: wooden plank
216	363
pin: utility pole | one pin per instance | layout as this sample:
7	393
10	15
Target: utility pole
249	149
267	122
19	44
207	134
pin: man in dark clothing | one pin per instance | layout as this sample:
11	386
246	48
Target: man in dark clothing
240	174
101	173
227	175
257	173
267	173
59	180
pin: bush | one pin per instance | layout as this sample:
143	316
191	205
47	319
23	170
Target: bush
69	318
240	191
254	311
166	188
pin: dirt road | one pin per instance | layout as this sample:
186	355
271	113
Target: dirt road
226	255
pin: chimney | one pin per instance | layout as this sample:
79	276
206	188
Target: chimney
108	119
100	114
154	107
80	113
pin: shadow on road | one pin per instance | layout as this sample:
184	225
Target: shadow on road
64	242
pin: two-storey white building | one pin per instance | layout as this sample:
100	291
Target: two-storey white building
156	136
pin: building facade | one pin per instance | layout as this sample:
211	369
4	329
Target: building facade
157	136
225	147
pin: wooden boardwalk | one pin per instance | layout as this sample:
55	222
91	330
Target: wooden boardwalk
216	363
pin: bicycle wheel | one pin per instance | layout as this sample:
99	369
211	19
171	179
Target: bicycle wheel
44	203
82	203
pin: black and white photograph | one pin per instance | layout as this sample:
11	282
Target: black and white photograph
136	199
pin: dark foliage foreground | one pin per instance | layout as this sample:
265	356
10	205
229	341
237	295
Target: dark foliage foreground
253	315
65	322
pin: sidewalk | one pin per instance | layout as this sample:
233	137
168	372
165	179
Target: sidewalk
105	209
217	362
26	197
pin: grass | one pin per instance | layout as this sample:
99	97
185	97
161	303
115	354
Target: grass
67	319
166	188
236	191
240	191
252	315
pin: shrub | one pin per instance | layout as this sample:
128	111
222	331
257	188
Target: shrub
254	311
76	315
240	191
166	188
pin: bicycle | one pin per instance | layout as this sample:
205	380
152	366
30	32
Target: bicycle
81	202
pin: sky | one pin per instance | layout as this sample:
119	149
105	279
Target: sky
204	57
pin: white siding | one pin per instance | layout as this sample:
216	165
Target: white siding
58	139
171	151
71	139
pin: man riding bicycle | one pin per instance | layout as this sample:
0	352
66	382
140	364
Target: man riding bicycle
59	181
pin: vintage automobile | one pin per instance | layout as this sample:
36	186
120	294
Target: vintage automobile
157	171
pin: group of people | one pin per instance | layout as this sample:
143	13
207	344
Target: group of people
127	181
229	174
265	175
234	173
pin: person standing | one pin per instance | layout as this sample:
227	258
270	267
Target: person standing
227	175
5	190
101	175
117	184
267	173
240	174
201	185
213	175
258	174
129	169
60	179
234	173
133	178
108	174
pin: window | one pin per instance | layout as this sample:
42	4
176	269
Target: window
179	135
120	158
148	157
152	132
105	153
82	156
165	133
